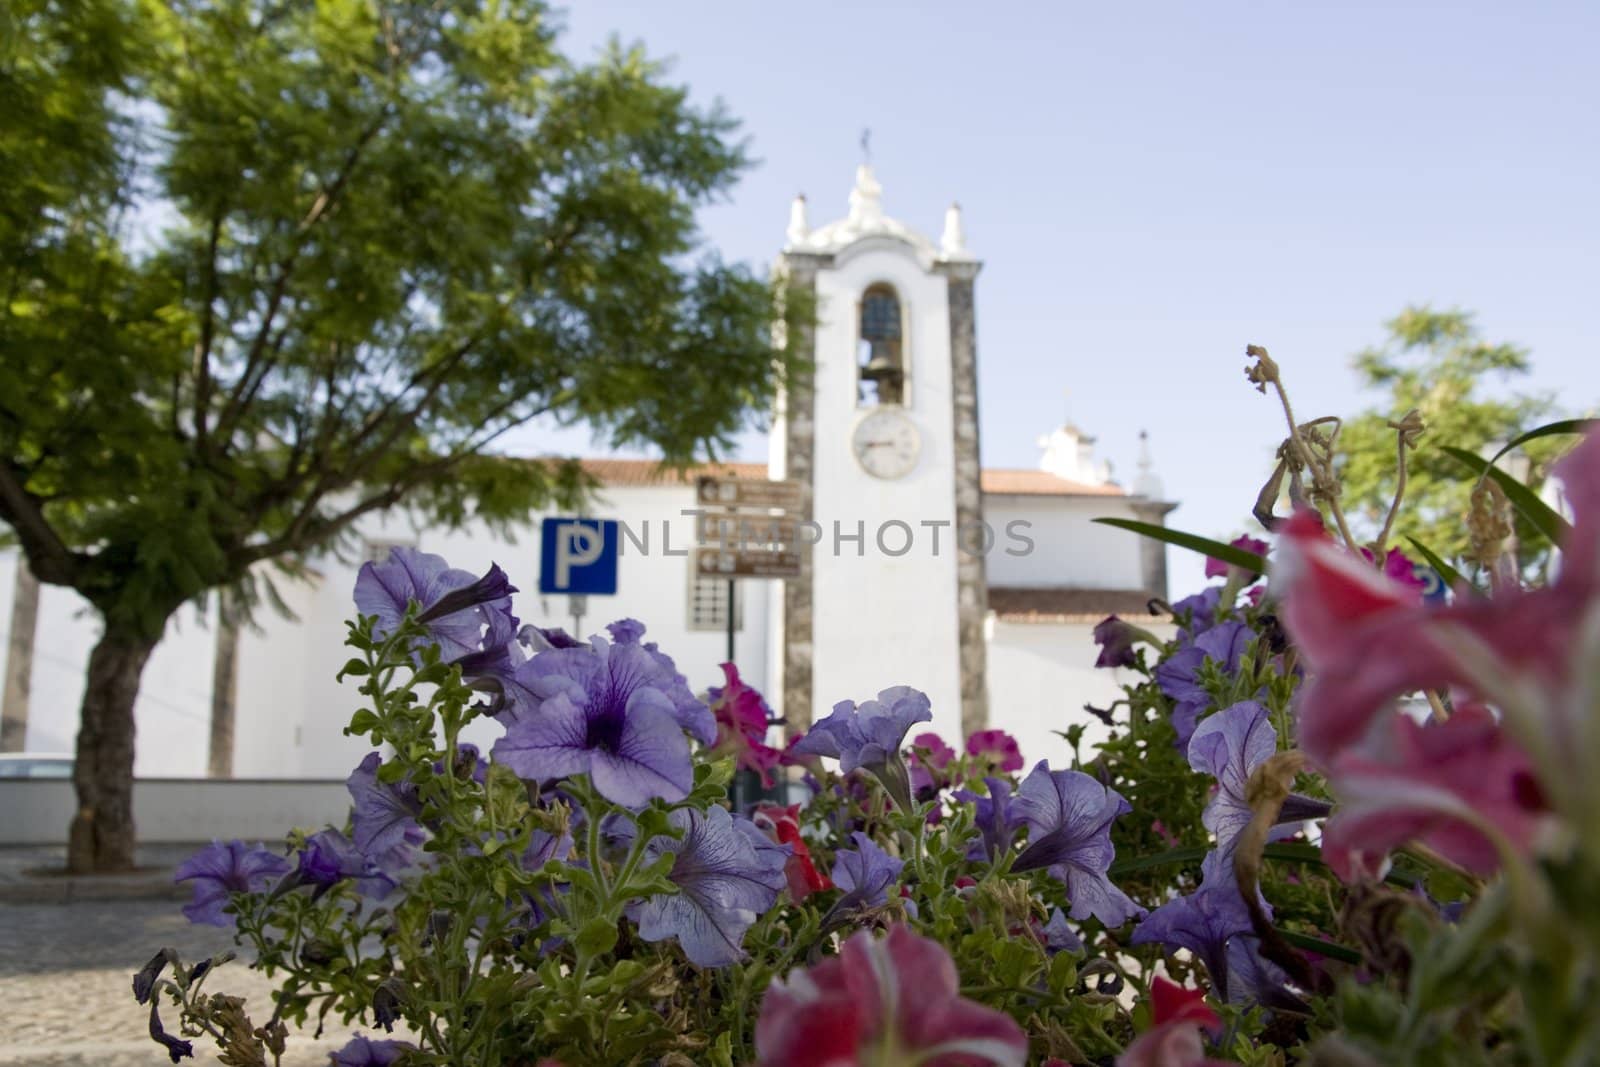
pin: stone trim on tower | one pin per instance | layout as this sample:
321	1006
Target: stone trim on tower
800	466
972	587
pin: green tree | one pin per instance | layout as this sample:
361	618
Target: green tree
268	266
1437	363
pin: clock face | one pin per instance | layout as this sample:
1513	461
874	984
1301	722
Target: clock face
887	443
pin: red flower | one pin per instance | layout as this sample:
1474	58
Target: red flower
1174	1038
742	720
783	826
894	1002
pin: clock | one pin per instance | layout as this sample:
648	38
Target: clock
886	443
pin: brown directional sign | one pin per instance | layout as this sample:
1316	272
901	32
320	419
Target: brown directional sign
747	563
754	493
744	530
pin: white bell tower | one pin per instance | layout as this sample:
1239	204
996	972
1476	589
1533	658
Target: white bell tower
884	436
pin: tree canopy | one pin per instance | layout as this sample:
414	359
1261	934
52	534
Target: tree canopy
267	266
1437	363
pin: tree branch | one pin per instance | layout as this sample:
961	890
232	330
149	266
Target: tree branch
256	363
306	529
208	326
48	556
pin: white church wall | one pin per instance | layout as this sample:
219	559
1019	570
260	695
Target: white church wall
881	620
1069	549
652	586
291	713
173	711
1040	677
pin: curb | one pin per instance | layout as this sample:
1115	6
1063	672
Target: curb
68	889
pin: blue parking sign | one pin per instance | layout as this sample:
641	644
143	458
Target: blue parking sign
578	556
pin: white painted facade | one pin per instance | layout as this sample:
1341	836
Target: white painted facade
882	617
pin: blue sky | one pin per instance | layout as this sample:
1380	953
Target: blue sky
1152	186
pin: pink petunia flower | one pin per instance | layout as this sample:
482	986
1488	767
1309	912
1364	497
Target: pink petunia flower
1449	785
1397	566
998	748
742	720
893	1002
1175	1038
927	759
1215	568
1533	656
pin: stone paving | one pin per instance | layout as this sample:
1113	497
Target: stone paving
66	960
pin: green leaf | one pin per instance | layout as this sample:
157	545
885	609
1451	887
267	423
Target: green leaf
362	722
1204	545
598	936
1549	429
1183	854
1324	948
1525	500
1451	576
355	667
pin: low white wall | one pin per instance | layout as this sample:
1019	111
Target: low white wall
1040	677
37	811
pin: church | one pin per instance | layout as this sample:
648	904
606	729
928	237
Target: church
918	567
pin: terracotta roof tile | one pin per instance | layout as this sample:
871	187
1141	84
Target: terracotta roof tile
644	472
1041	483
1061	604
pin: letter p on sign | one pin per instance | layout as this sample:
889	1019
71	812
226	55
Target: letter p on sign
578	556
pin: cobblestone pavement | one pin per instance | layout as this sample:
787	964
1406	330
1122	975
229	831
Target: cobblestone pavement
65	970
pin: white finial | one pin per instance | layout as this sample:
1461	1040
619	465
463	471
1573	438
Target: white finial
953	242
799	228
866	199
1147	484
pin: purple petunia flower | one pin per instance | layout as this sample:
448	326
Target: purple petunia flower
1176	674
544	901
455	605
1179	675
727	873
384	818
1201	922
365	1052
1200	611
1214	924
218	871
1058	936
692	713
626	631
1069	817
870	736
329	857
1116	638
994	820
1229	746
1225	643
493	667
865	873
603	710
177	1049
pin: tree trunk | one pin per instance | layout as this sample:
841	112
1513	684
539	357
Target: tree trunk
224	693
19	660
101	837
